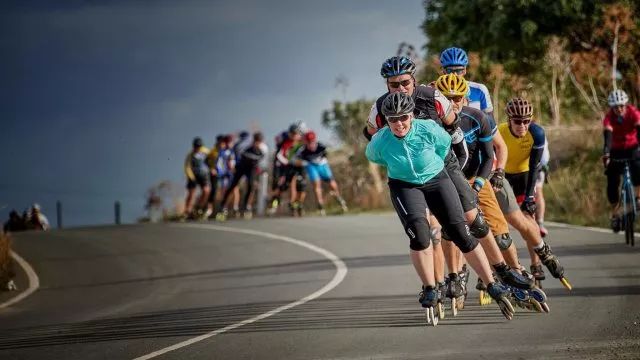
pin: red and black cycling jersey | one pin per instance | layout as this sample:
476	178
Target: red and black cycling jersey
624	129
430	104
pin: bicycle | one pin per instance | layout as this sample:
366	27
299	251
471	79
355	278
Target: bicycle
628	203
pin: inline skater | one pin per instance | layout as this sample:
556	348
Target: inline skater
246	167
414	153
431	104
478	133
620	129
198	174
313	156
525	142
278	172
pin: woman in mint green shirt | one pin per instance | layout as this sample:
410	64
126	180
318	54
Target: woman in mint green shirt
413	151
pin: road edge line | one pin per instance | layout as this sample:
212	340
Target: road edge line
34	281
341	272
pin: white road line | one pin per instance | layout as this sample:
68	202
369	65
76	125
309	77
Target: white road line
34	281
580	227
341	272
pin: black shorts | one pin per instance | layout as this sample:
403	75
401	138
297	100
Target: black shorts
439	195
202	181
518	183
465	192
278	172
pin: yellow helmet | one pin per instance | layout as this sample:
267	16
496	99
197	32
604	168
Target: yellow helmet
452	85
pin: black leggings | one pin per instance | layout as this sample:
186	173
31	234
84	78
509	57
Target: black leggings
440	196
246	171
466	194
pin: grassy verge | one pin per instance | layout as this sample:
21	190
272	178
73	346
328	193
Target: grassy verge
576	192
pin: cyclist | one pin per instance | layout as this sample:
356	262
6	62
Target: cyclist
246	167
198	174
525	142
431	104
620	142
313	156
478	133
414	153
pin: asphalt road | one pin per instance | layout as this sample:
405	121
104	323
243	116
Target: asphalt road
129	291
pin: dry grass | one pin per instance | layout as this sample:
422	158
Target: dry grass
576	192
6	270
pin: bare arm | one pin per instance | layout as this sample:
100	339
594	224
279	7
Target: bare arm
501	150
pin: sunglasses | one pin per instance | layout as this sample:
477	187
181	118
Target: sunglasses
393	119
396	84
517	121
457	71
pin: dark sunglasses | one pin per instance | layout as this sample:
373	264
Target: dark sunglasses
393	119
517	121
396	84
458	71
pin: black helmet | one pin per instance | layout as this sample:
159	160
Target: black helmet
397	104
397	65
295	128
197	142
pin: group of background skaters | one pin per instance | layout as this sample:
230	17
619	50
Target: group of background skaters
455	175
218	173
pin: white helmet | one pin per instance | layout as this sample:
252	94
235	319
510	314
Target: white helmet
618	97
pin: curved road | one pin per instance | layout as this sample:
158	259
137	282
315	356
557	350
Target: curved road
126	292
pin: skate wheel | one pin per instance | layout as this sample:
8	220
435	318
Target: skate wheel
566	283
535	305
427	314
441	313
545	307
461	301
432	317
506	308
454	307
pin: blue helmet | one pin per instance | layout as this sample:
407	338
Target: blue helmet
454	56
397	65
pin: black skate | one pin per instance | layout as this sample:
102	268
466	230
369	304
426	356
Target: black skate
532	299
501	294
428	298
511	277
442	291
455	292
553	264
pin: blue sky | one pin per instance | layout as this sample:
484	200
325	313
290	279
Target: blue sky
100	100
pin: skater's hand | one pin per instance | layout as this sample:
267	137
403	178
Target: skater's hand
496	179
529	206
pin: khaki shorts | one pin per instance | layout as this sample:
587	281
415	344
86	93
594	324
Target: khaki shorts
506	198
491	210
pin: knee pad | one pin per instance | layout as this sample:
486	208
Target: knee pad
504	241
419	234
301	183
435	236
461	236
479	227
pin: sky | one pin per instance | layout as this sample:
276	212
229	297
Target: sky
101	100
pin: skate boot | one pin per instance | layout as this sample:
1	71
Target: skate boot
343	204
616	224
511	277
485	298
538	274
428	298
533	299
273	206
464	278
293	208
300	210
322	211
442	291
11	286
455	292
247	214
501	294
553	264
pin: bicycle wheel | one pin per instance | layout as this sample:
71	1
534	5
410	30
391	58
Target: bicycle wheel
629	214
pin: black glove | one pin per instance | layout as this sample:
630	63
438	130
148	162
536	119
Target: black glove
496	179
529	206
